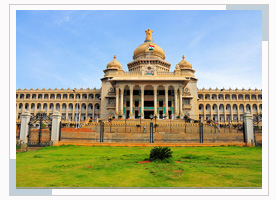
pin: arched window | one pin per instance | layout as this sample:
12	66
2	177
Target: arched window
64	107
200	107
215	107
90	107
248	108
228	107
242	108
221	107
57	107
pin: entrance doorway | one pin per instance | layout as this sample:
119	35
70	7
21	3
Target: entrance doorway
160	114
127	114
170	114
136	114
147	114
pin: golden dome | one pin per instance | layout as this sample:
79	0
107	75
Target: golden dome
149	46
184	64
114	64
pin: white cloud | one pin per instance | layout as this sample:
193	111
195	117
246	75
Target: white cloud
62	20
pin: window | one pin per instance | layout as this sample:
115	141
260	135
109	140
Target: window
187	101
160	103
161	92
136	92
148	92
127	103
111	101
170	103
136	103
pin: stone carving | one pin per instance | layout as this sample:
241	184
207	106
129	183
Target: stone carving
186	91
149	33
149	70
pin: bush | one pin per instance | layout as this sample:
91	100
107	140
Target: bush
155	125
160	153
138	125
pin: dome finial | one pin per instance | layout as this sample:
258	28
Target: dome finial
114	57
149	33
183	57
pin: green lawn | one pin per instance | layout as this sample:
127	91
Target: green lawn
80	166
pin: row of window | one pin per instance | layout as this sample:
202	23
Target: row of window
228	107
64	106
228	97
57	96
148	92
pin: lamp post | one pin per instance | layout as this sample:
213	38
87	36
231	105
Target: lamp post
77	110
218	109
139	115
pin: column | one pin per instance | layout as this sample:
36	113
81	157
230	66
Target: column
117	102
155	99
17	109
55	127
211	111
131	101
204	111
248	129
224	113
166	100
47	108
73	112
142	87
24	128
35	109
176	111
239	118
93	116
66	117
122	101
86	111
231	112
180	102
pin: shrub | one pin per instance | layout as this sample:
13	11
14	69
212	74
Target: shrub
155	125
160	153
138	125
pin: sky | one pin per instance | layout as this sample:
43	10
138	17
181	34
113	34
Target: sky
70	49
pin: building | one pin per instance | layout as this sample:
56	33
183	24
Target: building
147	88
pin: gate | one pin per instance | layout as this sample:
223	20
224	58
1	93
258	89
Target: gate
39	130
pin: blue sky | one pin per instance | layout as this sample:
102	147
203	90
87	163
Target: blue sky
68	49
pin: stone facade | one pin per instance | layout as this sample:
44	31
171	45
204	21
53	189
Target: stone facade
147	88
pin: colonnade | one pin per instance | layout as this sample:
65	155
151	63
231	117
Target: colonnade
178	108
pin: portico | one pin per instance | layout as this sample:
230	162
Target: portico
159	99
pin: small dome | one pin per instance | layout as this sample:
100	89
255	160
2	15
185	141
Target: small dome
149	46
114	64
184	64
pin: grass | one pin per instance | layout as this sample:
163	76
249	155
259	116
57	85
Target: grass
80	166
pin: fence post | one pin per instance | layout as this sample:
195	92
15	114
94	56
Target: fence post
248	129
24	127
151	132
102	132
55	127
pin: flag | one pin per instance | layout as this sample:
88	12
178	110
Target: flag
151	47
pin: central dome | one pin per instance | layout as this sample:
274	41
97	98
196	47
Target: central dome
148	48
